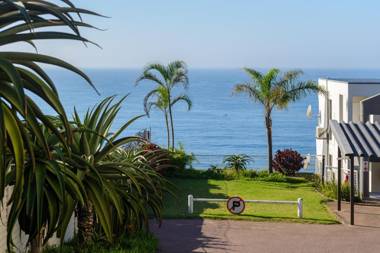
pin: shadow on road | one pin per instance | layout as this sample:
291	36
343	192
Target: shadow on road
176	207
195	240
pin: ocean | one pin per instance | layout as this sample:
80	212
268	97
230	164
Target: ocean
219	123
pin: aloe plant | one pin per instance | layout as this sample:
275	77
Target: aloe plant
146	194
27	21
48	195
22	139
118	189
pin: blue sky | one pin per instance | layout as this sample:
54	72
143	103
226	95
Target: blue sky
229	34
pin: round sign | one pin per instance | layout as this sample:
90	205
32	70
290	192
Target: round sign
235	205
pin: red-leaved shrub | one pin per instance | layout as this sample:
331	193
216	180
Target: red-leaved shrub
287	162
158	158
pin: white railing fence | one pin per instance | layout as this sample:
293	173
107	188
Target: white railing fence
298	202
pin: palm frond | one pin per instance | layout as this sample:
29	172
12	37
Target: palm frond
160	69
147	75
252	91
301	89
183	98
254	74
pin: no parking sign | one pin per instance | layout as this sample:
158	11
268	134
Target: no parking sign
235	205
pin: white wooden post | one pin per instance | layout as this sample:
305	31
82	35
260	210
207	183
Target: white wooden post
300	208
190	203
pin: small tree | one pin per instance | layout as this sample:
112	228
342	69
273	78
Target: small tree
287	162
237	162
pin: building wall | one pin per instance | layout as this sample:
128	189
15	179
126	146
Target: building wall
338	93
374	177
350	96
370	106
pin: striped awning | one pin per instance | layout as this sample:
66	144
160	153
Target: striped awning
357	139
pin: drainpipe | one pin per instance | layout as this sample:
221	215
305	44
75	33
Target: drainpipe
327	126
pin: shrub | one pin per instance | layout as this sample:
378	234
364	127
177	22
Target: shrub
180	159
237	162
287	162
330	189
273	177
230	174
346	191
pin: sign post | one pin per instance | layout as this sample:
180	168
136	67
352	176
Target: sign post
235	205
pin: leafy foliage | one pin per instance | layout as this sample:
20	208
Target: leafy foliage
167	162
330	189
237	162
288	162
180	159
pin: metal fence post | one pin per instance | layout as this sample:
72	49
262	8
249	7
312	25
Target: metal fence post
323	172
190	203
300	208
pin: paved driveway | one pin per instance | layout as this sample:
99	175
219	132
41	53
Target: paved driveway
366	214
195	235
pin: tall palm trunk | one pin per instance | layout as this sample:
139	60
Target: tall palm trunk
167	128
86	226
171	124
268	124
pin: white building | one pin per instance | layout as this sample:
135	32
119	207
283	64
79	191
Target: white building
347	100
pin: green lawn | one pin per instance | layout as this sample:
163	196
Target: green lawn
315	211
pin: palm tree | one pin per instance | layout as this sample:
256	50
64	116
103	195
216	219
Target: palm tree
161	103
237	162
275	91
170	76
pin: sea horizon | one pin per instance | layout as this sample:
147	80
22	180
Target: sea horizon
219	123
